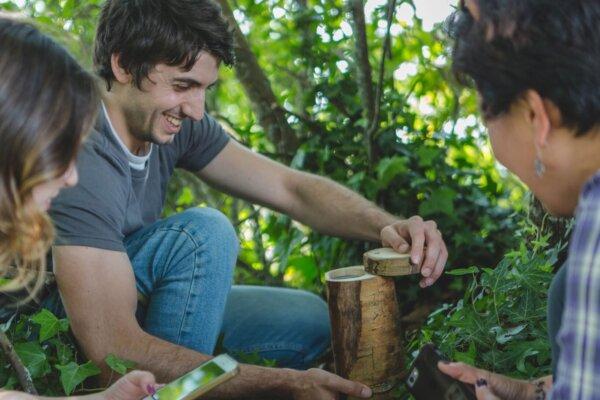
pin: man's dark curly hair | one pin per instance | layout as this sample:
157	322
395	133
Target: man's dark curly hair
552	47
148	32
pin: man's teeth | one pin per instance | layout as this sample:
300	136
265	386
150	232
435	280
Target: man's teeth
174	121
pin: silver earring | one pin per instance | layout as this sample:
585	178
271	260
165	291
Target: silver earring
540	169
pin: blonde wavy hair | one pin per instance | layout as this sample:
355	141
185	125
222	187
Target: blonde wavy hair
48	103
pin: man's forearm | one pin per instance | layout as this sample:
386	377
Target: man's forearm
333	209
169	361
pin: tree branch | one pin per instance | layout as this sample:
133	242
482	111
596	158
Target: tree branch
361	48
22	372
271	115
385	53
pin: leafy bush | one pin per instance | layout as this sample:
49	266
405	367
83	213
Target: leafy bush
499	324
48	351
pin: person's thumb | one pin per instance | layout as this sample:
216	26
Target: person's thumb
483	392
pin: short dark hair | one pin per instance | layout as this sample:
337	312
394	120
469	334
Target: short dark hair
147	32
552	47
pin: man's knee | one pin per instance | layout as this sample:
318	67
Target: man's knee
212	226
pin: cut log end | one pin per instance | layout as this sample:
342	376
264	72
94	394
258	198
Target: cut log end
387	262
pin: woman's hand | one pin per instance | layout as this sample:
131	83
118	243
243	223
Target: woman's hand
488	386
133	386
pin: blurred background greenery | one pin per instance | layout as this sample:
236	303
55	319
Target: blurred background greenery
361	92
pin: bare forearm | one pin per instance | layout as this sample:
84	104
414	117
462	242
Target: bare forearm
169	361
537	389
336	210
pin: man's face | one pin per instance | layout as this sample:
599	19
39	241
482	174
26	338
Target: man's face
167	96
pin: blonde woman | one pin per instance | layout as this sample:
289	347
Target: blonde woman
47	105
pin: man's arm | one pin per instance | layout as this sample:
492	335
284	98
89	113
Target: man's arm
324	205
100	297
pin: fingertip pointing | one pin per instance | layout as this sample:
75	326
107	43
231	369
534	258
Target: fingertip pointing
366	392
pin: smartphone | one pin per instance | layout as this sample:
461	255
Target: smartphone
199	380
425	381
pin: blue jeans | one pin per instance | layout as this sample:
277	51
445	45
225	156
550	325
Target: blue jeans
184	266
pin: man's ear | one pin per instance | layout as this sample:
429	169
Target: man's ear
121	75
542	117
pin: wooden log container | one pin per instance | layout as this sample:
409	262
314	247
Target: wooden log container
386	262
365	326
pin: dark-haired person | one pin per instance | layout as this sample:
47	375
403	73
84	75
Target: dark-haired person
158	58
535	65
47	105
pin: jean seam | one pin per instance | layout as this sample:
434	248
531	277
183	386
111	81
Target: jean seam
197	246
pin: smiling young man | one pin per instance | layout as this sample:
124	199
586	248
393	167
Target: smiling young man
157	59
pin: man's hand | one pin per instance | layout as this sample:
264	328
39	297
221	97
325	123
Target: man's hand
489	386
323	385
427	248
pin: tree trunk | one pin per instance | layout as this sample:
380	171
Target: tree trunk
364	72
271	116
365	324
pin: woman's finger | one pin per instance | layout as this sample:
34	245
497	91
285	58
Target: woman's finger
483	391
461	371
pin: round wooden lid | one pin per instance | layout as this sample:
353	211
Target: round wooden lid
347	274
387	262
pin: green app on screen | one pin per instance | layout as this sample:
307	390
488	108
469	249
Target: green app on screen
199	380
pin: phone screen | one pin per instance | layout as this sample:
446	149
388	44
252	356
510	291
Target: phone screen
189	382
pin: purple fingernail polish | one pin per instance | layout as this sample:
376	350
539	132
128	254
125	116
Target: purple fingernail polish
150	389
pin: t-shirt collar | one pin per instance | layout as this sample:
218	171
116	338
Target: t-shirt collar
135	162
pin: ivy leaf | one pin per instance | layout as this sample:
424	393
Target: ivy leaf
441	200
73	374
64	353
427	155
49	324
119	365
389	168
504	336
6	326
463	271
34	358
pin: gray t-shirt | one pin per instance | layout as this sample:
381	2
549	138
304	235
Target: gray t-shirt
112	199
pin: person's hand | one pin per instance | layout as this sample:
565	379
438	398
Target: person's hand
488	386
133	386
323	385
427	248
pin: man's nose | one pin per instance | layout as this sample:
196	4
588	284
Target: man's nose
194	106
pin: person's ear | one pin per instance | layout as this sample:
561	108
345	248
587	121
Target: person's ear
539	116
121	75
473	7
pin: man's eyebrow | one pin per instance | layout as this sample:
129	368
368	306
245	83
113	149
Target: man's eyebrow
192	82
189	81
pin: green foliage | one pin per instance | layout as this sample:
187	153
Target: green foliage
499	324
118	364
430	157
49	353
74	374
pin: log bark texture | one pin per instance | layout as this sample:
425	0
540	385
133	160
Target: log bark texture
365	322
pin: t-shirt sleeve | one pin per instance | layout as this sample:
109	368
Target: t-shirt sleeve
199	142
88	214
